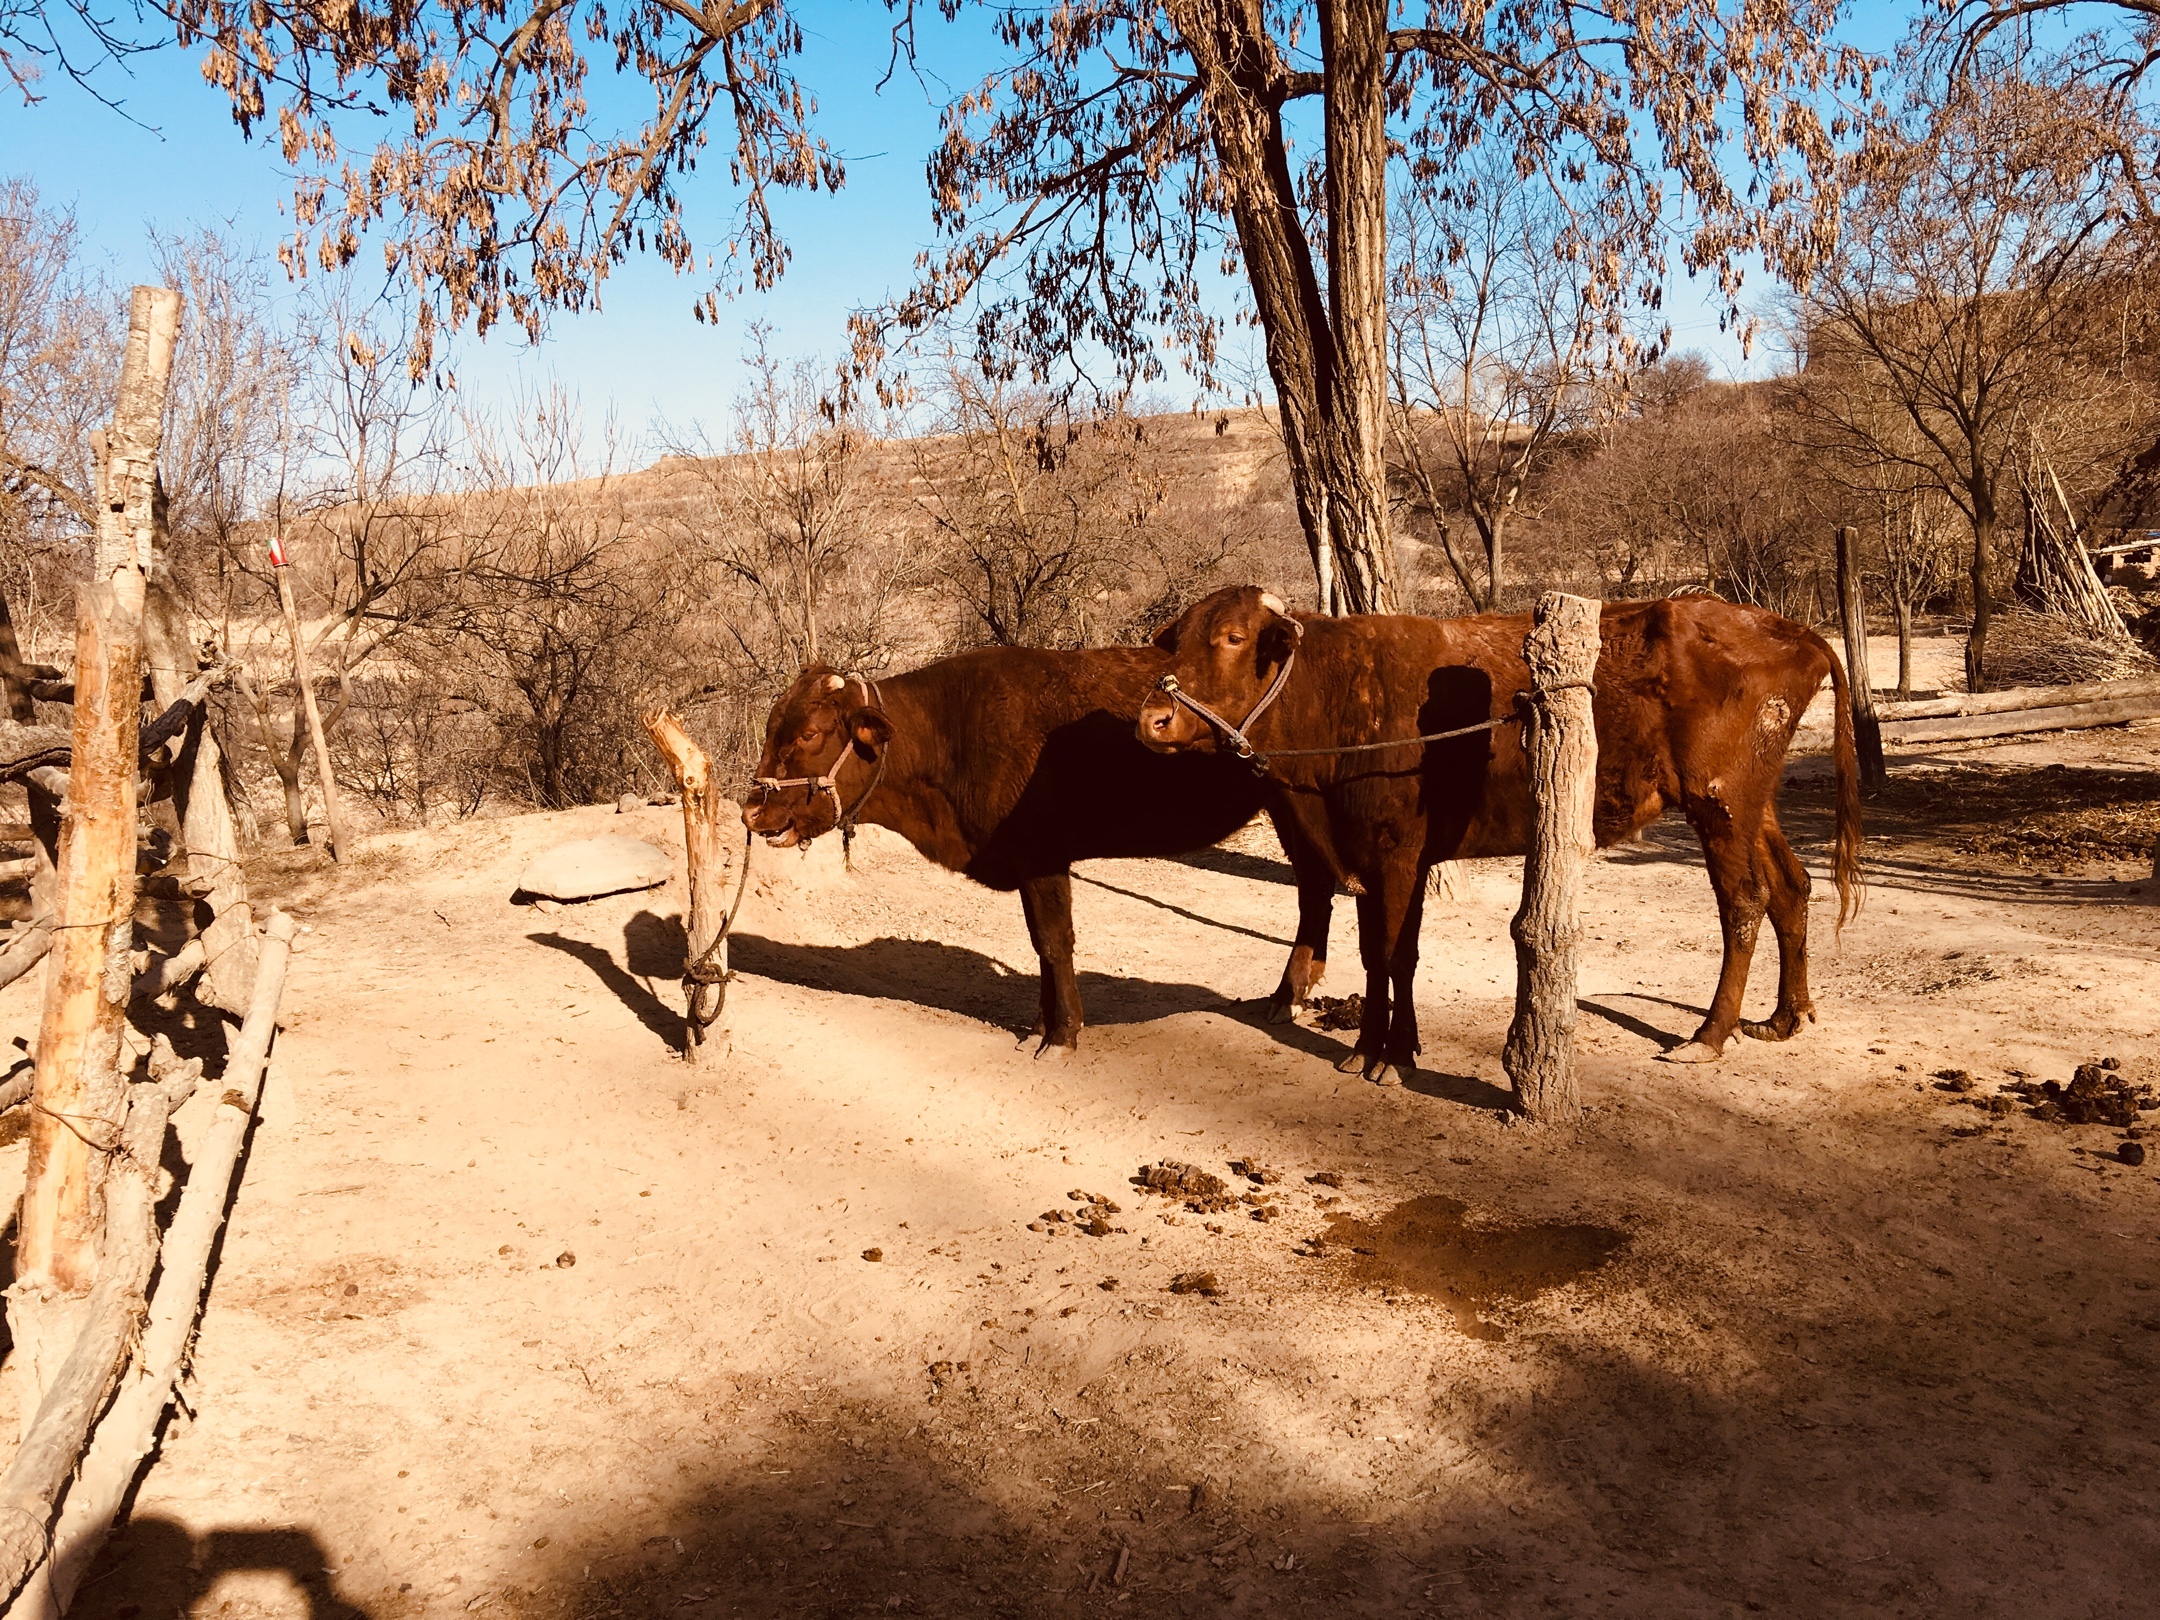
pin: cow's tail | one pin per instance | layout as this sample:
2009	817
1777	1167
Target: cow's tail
1845	847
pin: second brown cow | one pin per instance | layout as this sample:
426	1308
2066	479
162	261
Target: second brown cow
1695	703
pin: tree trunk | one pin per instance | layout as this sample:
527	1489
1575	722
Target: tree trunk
14	682
1562	651
326	773
1245	82
1354	42
1852	619
1983	571
1903	609
209	835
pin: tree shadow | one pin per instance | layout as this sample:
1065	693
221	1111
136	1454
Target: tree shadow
1664	1040
634	993
154	1567
1180	911
1466	1089
1238	863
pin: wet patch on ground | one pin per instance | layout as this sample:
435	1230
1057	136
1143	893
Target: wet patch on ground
1434	1247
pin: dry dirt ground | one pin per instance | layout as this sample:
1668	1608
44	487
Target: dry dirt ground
521	1315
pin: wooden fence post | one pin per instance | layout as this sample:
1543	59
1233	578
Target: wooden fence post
81	1092
304	673
1852	618
1561	735
712	853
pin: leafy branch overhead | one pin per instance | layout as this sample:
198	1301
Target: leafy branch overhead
504	193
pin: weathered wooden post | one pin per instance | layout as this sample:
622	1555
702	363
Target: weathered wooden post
712	852
81	1093
304	673
1852	618
1561	735
208	834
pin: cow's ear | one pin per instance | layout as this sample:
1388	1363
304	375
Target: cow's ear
1278	639
870	731
1166	637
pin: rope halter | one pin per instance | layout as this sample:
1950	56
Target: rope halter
1234	736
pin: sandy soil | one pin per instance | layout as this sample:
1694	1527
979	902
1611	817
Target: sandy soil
519	1314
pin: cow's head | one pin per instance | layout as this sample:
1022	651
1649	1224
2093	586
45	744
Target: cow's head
1224	650
826	727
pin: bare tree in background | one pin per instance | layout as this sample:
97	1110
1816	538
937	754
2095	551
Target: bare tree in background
1046	521
59	362
1499	338
565	620
784	516
1920	557
358	485
1982	274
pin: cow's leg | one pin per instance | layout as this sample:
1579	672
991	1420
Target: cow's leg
1742	897
1392	901
1316	905
1789	885
1047	903
1398	1058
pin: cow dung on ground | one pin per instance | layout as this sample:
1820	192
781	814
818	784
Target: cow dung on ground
590	867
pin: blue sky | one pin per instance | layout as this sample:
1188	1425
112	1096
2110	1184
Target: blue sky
183	163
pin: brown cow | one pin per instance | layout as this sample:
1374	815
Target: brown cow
1695	702
1010	764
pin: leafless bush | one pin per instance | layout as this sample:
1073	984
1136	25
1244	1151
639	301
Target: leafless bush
1053	527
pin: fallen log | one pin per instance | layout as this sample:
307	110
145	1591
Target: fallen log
2020	697
30	1491
25	949
130	1428
166	974
27	749
2019	722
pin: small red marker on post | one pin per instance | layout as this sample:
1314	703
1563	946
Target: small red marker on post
277	551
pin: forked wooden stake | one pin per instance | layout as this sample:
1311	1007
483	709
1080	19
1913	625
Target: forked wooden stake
712	854
1562	651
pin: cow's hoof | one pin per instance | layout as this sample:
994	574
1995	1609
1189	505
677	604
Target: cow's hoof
1279	1009
1352	1062
1390	1074
1056	1050
1769	1029
1692	1052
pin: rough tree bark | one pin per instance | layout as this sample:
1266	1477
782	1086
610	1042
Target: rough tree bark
1562	651
81	1090
1245	82
333	812
1852	619
708	818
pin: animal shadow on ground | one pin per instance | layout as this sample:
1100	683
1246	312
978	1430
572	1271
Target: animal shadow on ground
632	991
154	1567
954	978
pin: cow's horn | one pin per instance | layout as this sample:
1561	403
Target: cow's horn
834	683
1274	604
